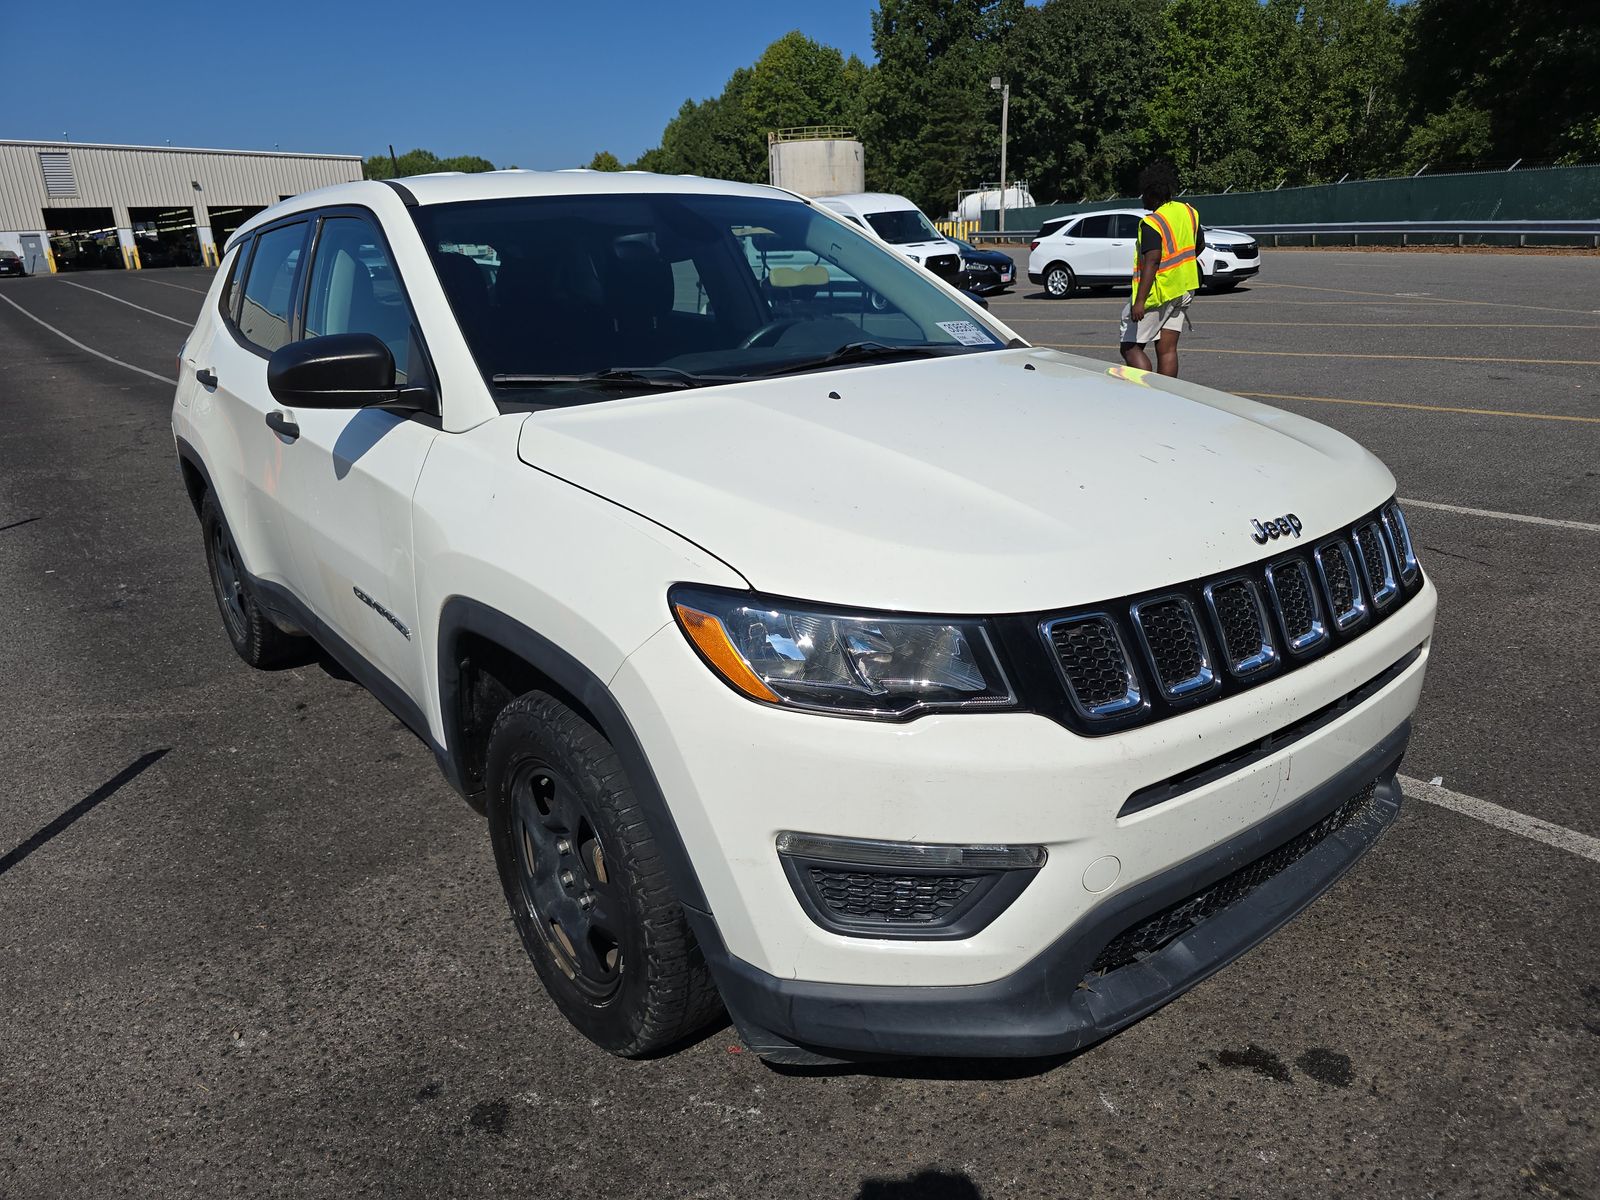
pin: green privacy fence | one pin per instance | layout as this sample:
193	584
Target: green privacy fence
1546	193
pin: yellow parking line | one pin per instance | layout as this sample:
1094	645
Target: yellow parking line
1543	362
1208	320
1306	287
1477	412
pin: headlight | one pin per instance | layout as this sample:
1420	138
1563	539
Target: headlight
914	258
838	661
968	265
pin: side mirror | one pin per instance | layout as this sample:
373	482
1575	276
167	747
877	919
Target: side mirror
338	370
975	298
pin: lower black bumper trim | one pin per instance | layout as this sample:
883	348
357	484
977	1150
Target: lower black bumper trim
1054	1004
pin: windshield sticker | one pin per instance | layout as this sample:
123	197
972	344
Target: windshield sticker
966	333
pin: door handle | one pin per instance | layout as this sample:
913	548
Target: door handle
283	424
206	377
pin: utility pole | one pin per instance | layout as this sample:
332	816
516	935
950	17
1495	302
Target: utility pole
1005	114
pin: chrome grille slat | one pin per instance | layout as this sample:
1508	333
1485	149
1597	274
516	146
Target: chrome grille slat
1377	571
1295	602
1175	646
1096	665
1248	646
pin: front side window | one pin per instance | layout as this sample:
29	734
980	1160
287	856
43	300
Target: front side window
571	299
355	289
1125	226
269	289
902	227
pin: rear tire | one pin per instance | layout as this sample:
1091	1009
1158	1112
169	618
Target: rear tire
1059	281
253	635
587	886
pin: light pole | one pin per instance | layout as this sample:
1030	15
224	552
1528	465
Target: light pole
1005	114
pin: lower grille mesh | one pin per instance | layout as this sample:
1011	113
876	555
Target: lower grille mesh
888	898
1154	932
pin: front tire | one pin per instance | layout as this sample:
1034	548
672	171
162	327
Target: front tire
587	886
251	632
1059	281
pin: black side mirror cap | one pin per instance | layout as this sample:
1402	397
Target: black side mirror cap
338	370
976	299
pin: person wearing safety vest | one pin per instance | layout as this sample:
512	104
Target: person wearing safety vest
1166	273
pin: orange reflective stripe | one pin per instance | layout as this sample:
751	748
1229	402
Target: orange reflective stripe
1168	242
1177	260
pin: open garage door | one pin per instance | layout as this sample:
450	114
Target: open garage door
83	239
166	237
225	219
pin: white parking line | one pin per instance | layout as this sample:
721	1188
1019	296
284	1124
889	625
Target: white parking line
204	292
129	303
87	349
1501	516
1520	824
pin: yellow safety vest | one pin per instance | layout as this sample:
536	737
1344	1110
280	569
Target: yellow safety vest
1178	271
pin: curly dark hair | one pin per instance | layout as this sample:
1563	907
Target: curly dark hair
1158	182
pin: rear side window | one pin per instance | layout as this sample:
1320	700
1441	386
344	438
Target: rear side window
355	289
1094	227
269	289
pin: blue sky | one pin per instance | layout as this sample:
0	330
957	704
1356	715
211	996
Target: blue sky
535	84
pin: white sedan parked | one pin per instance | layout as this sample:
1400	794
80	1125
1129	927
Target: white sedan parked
1095	250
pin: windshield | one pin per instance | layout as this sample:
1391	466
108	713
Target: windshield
572	299
902	226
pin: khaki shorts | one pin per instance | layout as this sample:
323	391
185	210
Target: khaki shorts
1174	315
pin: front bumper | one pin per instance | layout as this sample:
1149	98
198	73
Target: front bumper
1058	1002
736	774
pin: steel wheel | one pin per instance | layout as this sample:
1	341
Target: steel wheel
564	881
228	580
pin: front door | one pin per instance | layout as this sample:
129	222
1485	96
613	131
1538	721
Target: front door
351	473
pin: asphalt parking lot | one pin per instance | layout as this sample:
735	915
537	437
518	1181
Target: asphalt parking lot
251	944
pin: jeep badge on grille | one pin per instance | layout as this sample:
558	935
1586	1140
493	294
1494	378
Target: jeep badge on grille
1287	525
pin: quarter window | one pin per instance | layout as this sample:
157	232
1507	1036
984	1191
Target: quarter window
269	290
355	289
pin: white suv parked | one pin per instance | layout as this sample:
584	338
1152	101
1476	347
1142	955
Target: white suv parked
900	225
1096	250
810	649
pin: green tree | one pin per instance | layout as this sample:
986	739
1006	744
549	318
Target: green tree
1209	106
929	122
1074	124
421	162
604	160
1502	79
1334	102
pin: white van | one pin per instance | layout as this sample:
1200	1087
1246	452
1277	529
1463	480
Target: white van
900	225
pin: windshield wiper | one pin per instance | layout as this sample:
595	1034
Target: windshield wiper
653	377
853	352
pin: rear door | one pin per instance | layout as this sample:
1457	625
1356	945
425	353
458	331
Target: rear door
350	473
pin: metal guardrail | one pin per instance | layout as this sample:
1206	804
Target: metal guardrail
1461	230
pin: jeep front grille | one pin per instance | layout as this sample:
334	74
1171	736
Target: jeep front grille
1147	657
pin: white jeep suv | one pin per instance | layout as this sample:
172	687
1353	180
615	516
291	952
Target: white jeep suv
823	653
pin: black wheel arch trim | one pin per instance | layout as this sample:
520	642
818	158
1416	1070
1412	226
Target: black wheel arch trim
462	615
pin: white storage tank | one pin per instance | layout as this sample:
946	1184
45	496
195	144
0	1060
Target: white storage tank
974	204
819	160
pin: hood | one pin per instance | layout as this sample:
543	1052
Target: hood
1227	235
1007	481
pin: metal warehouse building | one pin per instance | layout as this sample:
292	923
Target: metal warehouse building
68	206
